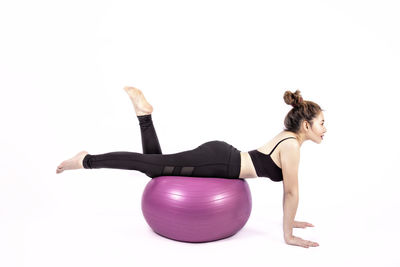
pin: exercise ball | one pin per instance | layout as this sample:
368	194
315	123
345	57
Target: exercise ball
196	209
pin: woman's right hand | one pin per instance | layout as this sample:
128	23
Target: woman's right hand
297	241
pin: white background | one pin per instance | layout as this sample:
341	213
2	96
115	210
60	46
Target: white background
213	70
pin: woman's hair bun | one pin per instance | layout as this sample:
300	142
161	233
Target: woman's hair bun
294	99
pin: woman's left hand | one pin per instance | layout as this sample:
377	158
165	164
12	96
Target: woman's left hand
297	224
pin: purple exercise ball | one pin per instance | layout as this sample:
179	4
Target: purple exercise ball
196	209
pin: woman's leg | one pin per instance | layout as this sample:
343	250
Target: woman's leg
150	143
212	159
143	109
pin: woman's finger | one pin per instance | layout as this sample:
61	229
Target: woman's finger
313	244
298	224
308	243
297	241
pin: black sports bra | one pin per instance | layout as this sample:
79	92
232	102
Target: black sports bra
265	166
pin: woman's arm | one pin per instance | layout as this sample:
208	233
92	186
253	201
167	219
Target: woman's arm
290	203
290	158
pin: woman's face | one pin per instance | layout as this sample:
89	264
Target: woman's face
318	129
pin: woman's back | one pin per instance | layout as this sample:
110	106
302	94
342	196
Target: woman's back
247	167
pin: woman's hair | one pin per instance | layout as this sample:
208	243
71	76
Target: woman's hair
302	110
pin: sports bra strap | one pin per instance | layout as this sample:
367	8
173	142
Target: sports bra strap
279	143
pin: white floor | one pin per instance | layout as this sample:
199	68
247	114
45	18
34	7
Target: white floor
103	226
212	70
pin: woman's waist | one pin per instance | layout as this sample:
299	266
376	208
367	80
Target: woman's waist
247	169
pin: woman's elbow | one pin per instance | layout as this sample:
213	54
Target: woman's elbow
291	193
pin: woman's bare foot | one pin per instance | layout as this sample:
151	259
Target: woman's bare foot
72	163
142	107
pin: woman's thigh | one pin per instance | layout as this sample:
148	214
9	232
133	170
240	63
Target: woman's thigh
210	159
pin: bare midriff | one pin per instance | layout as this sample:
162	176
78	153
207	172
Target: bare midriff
247	169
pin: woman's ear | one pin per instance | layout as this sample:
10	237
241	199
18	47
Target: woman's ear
305	123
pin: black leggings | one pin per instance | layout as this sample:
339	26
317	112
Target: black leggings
212	159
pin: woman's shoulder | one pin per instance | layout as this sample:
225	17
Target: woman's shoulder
289	143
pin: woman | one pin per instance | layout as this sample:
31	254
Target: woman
219	159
